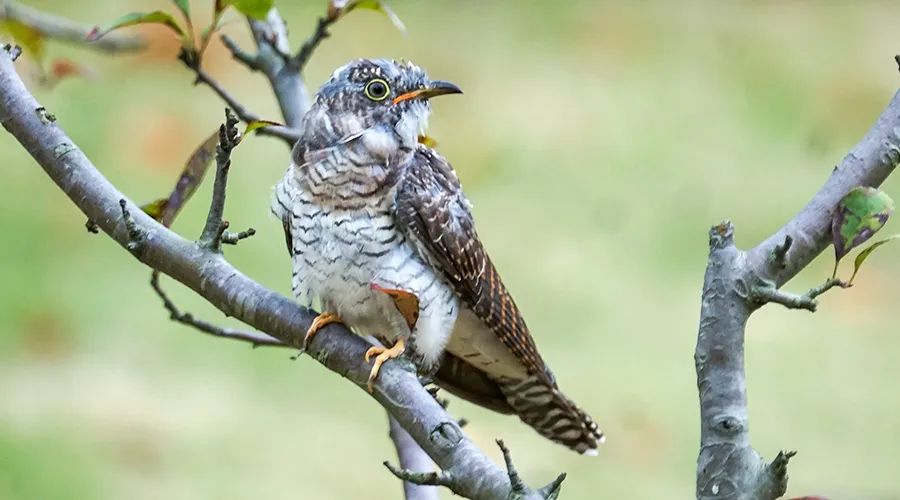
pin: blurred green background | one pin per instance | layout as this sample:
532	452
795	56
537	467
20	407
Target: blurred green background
598	141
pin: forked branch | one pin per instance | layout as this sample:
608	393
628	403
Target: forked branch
736	284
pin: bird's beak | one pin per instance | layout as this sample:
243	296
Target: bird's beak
433	89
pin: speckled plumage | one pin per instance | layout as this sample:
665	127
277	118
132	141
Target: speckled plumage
364	204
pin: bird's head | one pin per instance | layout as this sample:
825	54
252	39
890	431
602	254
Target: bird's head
380	104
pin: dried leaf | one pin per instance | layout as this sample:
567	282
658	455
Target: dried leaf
165	210
155	17
858	262
406	303
860	214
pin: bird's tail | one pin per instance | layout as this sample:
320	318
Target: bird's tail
552	414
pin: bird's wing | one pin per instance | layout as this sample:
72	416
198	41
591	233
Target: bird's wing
432	211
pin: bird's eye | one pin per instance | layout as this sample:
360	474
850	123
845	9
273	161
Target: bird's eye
377	89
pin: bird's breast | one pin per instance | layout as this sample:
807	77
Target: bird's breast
339	253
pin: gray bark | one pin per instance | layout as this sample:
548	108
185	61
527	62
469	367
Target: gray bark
411	458
211	276
64	30
736	284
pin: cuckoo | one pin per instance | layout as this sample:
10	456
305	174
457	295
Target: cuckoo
367	208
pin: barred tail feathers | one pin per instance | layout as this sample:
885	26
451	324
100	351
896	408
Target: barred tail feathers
553	415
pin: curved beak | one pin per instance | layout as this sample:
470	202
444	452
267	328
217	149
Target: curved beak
433	89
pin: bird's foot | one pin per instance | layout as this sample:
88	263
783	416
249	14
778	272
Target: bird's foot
326	318
383	354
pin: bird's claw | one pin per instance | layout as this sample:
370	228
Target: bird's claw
323	319
382	354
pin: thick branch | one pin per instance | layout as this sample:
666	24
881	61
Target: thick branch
736	284
64	30
236	295
869	163
273	60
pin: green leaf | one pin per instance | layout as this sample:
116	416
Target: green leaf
257	9
155	208
258	124
155	17
209	31
339	8
185	7
865	254
379	6
860	214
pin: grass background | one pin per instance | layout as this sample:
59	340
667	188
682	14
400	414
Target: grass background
598	142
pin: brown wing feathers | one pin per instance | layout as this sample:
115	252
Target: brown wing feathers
432	210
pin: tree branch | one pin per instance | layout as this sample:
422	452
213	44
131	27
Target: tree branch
735	285
211	276
518	488
64	30
273	60
215	226
189	58
765	292
413	460
256	339
309	46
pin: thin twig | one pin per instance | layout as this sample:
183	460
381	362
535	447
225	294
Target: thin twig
309	46
256	339
289	135
230	238
215	227
247	59
433	478
63	30
767	292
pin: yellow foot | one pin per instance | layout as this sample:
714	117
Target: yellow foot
321	320
381	355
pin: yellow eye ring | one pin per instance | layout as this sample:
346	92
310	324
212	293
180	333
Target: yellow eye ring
377	89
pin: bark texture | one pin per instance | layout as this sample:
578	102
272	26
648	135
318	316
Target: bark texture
736	284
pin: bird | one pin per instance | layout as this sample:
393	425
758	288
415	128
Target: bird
370	214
